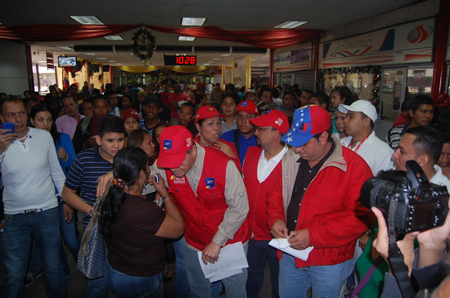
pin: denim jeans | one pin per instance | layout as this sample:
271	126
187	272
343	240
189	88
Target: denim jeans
258	252
127	286
68	233
16	244
326	281
181	281
203	288
35	260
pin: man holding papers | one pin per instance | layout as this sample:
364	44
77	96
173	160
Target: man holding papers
208	189
314	202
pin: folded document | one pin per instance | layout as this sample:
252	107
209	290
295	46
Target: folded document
283	245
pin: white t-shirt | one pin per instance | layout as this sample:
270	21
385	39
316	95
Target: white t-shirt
265	167
30	171
375	152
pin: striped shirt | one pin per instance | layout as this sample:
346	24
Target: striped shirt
395	134
87	167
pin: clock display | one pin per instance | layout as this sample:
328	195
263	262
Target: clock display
180	60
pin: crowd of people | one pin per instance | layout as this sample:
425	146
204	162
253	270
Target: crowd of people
195	169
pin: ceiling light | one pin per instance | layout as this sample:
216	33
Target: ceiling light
217	58
290	24
205	63
66	48
211	61
101	58
40	61
113	37
186	38
186	21
87	20
89	54
254	59
225	55
112	61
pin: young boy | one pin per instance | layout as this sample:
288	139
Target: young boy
88	166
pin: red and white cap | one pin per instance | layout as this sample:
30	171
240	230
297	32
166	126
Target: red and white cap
175	142
276	119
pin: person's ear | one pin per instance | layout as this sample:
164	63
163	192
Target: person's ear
423	160
31	120
194	151
366	121
411	113
160	110
98	139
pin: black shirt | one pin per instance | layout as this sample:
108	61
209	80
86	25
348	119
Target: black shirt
304	177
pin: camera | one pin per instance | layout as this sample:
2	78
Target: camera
421	204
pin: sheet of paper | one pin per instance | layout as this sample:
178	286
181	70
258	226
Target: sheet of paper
283	245
231	260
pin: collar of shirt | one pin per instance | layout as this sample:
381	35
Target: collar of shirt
194	174
265	167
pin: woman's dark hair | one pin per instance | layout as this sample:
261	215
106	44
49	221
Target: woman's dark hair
198	98
127	165
344	93
41	108
136	137
232	95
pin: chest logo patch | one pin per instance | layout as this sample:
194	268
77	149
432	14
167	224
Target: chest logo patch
210	183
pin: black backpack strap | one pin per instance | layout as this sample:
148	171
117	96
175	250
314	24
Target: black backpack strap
236	142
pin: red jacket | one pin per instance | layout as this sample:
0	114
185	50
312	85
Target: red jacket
256	193
236	160
330	210
203	214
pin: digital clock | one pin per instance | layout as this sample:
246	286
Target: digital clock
180	60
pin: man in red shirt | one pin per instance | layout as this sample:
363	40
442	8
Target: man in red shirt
259	170
174	100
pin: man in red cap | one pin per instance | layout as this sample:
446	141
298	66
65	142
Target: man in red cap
259	173
314	202
208	189
244	136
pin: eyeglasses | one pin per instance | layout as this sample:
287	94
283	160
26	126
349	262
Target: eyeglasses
259	129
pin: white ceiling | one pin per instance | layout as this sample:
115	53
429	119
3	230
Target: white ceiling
226	14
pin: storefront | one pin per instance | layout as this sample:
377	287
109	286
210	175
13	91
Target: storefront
294	65
387	67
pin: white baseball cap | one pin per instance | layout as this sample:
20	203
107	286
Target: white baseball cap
361	105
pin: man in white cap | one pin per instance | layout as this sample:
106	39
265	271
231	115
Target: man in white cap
358	126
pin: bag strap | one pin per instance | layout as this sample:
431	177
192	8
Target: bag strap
95	212
85	123
367	276
236	142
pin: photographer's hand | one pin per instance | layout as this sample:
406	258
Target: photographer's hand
381	242
432	244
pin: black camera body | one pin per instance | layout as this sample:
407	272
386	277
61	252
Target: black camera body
420	205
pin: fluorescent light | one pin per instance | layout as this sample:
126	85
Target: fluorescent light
186	38
211	61
66	48
101	58
87	20
186	21
254	59
205	63
225	55
217	58
265	56
112	61
89	54
113	37
290	24
41	61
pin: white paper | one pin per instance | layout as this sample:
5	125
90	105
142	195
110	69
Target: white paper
232	259
283	245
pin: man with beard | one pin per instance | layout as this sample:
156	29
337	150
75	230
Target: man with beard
259	173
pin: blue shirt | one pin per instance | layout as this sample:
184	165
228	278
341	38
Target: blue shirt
243	143
87	167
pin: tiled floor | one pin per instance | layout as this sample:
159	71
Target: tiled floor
77	286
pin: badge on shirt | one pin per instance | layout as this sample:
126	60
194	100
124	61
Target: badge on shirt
210	183
181	180
167	144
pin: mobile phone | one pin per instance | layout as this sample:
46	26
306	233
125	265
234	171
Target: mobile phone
156	177
8	125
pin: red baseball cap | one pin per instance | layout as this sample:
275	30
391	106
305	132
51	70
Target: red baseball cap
130	113
207	112
307	122
276	119
175	142
248	107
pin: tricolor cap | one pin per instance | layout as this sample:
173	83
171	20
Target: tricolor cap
174	141
363	106
308	121
247	106
276	119
207	112
130	113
